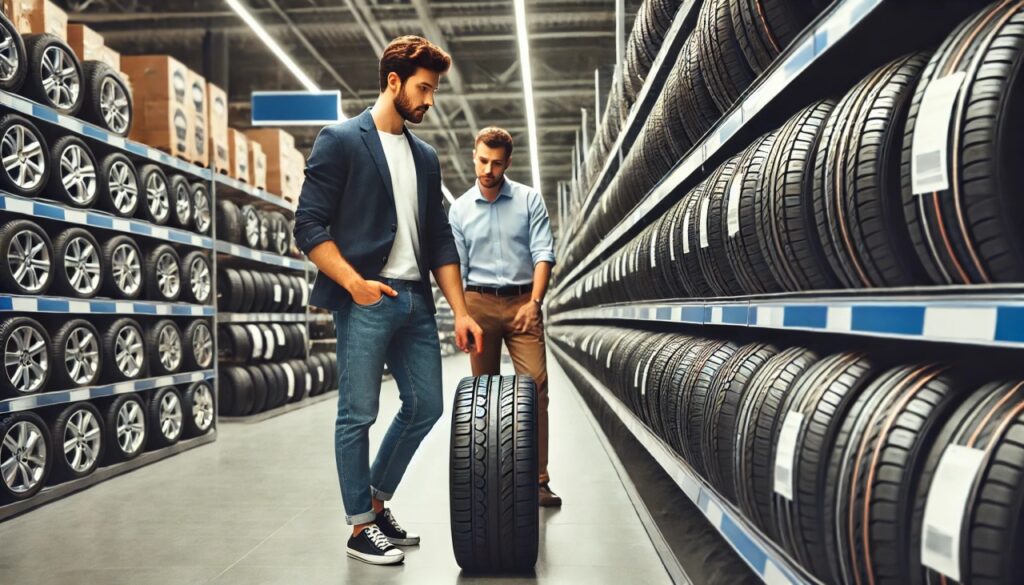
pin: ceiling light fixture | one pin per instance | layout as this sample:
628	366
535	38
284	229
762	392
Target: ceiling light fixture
524	66
271	44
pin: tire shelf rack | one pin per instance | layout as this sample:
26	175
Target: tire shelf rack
236	190
817	41
765	559
245	253
272	318
52	210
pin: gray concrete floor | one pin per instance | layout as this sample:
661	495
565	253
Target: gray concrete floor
261	506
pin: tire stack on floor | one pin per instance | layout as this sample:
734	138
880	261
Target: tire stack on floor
837	456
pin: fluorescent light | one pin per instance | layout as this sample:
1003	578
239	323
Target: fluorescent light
271	44
527	70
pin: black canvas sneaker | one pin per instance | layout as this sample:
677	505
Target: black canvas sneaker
371	546
396	534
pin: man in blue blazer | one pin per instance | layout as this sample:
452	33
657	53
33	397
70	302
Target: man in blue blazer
370	217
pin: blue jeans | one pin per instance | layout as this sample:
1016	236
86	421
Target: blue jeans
401	331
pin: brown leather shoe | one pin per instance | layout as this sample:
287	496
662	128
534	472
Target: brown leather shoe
548	498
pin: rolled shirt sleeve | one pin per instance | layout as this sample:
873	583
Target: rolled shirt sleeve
542	246
460	242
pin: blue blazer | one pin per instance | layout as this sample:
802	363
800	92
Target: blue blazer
348	197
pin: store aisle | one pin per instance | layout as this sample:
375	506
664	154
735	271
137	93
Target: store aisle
260	506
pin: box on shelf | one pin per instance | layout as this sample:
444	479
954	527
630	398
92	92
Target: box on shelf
257	165
297	166
217	128
238	146
277	145
162	109
88	45
197	100
37	16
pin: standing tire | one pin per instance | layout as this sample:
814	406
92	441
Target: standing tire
202	208
79	441
166	349
199	406
51	59
252	226
124	350
79	264
229	222
25	338
25	444
494	490
13	58
229	291
182	212
127	429
166	417
118	185
108	103
156	201
163	274
74	177
122	259
21	143
197	340
197	277
77	357
26	258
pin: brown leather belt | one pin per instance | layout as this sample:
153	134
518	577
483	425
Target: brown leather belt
503	291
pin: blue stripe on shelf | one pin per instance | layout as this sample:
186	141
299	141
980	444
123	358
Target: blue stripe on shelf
94	132
902	320
181	310
812	316
804	54
6	303
734	315
104	307
141	228
180	237
663	314
751	315
693	315
50	398
100	221
1010	324
136	148
44	113
706	315
51	305
48	211
145	309
744	545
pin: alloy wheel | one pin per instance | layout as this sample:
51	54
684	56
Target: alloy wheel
78	174
60	78
171	416
25	361
183	203
29	261
157	198
81	441
200	284
124	189
131	427
126	268
23	157
201	201
82	356
8	56
114	105
169	346
202	346
82	266
128	353
167	275
23	457
202	407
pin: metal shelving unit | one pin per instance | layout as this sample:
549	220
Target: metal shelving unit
269	317
234	189
763	557
259	256
25	304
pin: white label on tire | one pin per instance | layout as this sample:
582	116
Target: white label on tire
257	340
946	507
320	374
786	453
291	295
735	194
686	232
636	375
672	243
647	369
654	249
268	351
309	382
280	333
704	204
288	373
930	146
277	293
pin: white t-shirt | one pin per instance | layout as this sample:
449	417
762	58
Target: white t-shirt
404	261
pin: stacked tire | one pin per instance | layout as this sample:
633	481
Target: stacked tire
250	226
256	388
251	291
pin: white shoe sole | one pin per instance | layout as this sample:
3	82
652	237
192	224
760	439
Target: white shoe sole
404	541
376	559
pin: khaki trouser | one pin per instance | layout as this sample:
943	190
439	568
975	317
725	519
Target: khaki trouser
495	315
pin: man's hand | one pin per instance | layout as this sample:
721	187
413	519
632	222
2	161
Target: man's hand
469	337
367	292
528	318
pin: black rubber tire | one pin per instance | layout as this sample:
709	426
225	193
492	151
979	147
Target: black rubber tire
86	192
116	452
197	288
13	123
693	378
156	198
16	79
113	281
252	226
248	291
62	282
176	351
724	66
969	233
277	386
229	222
195	356
7	423
112	372
8	387
259	292
711	237
153	260
202	206
233	342
857	205
696	107
689	239
8	250
300	384
62	468
62	378
229	290
785	207
180	193
493	478
198	421
35	46
260	385
160	436
95	74
119	191
764	28
665	406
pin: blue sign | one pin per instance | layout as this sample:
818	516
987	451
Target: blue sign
296	108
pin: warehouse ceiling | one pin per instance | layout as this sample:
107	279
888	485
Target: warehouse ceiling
337	43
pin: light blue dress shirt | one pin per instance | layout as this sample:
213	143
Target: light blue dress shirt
499	243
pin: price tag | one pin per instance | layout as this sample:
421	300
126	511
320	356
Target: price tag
946	508
686	232
647	369
930	146
735	194
288	373
786	452
654	249
280	333
672	242
257	340
277	293
309	382
268	350
636	375
320	374
291	295
704	204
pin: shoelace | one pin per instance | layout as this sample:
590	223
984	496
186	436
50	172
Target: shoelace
394	523
377	538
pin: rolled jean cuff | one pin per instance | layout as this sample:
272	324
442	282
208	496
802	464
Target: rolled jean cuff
364	518
382	496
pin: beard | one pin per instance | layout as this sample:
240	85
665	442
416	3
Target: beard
488	181
405	108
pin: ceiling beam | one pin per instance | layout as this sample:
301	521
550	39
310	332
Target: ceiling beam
309	47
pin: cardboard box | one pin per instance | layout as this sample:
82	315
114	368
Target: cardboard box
297	172
16	13
257	165
162	109
37	17
88	45
217	128
197	102
239	148
278	146
110	57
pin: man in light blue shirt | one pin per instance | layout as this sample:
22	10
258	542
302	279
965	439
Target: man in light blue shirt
503	236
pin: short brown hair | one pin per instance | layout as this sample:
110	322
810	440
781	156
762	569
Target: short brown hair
495	137
407	54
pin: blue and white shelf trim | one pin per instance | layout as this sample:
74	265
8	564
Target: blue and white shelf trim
258	256
24	304
92	392
269	317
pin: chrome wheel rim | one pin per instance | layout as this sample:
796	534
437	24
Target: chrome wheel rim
202	407
126	269
78	174
23	457
169	347
60	78
81	441
252	228
82	356
167	277
29	261
202	346
128	351
8	56
114	105
170	416
202	210
25	359
24	160
183	203
124	189
82	266
131	427
157	198
200	276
